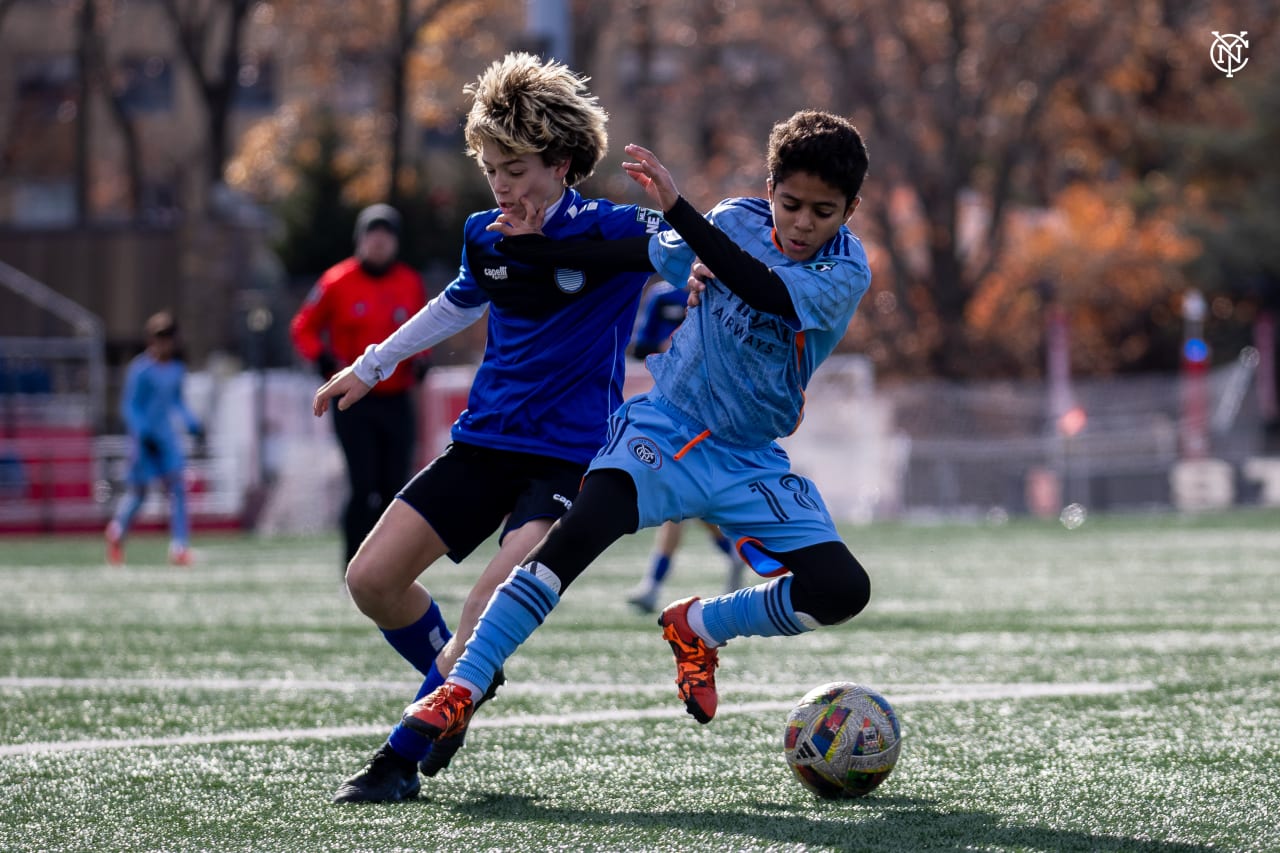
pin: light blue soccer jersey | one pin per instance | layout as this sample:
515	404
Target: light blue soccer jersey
739	372
154	410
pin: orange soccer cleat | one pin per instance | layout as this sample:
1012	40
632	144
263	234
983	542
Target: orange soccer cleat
115	545
695	662
442	713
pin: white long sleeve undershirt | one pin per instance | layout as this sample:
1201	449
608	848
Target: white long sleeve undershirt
439	319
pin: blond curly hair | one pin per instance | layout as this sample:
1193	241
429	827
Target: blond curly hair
527	106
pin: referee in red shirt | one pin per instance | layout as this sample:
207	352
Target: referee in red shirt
356	303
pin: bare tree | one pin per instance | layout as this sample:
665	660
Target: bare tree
952	93
209	35
408	25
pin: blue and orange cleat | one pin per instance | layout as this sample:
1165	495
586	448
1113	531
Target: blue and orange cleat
695	662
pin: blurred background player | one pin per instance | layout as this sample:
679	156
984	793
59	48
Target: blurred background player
355	304
154	412
538	406
661	312
644	596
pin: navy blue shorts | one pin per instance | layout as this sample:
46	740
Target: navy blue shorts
466	493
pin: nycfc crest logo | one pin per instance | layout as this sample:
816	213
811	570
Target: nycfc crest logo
1227	52
646	451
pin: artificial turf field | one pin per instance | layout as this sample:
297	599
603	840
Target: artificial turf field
1115	688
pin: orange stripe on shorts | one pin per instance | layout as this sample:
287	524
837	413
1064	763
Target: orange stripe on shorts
697	438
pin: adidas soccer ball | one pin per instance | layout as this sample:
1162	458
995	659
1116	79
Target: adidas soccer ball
842	740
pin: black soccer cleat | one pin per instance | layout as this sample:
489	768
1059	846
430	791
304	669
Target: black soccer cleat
443	750
385	778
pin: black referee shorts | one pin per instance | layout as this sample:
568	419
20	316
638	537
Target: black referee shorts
467	491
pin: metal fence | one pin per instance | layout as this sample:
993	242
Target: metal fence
1000	447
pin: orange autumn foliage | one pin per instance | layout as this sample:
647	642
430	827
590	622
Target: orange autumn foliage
1116	273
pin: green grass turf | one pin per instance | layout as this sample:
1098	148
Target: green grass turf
218	708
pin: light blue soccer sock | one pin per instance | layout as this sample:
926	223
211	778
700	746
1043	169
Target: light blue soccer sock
179	525
129	507
517	608
421	641
658	570
763	611
404	740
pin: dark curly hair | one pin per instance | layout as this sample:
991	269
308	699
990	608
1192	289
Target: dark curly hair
821	144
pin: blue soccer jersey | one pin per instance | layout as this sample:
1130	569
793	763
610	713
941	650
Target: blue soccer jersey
739	372
554	361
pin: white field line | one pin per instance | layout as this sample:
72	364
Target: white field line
916	694
937	690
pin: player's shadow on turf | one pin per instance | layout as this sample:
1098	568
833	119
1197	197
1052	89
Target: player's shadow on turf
876	823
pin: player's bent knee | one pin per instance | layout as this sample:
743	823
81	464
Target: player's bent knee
369	588
829	583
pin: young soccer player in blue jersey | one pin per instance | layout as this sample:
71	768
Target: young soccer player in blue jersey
538	407
155	414
788	275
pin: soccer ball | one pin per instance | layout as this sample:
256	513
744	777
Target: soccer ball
842	740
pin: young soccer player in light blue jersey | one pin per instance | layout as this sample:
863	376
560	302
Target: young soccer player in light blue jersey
788	275
662	310
156	415
539	405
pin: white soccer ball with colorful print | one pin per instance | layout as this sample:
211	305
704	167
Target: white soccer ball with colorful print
842	740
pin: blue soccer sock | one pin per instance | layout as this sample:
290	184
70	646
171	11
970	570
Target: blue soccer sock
659	568
723	543
763	611
517	608
404	740
421	641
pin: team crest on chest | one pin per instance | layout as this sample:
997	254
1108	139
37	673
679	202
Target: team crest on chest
570	281
646	451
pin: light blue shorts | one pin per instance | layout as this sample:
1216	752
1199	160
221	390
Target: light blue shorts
145	467
750	492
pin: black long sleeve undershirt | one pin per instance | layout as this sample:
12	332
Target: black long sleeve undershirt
750	279
625	254
759	286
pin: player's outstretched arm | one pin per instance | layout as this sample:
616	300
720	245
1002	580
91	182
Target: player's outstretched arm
345	387
752	280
